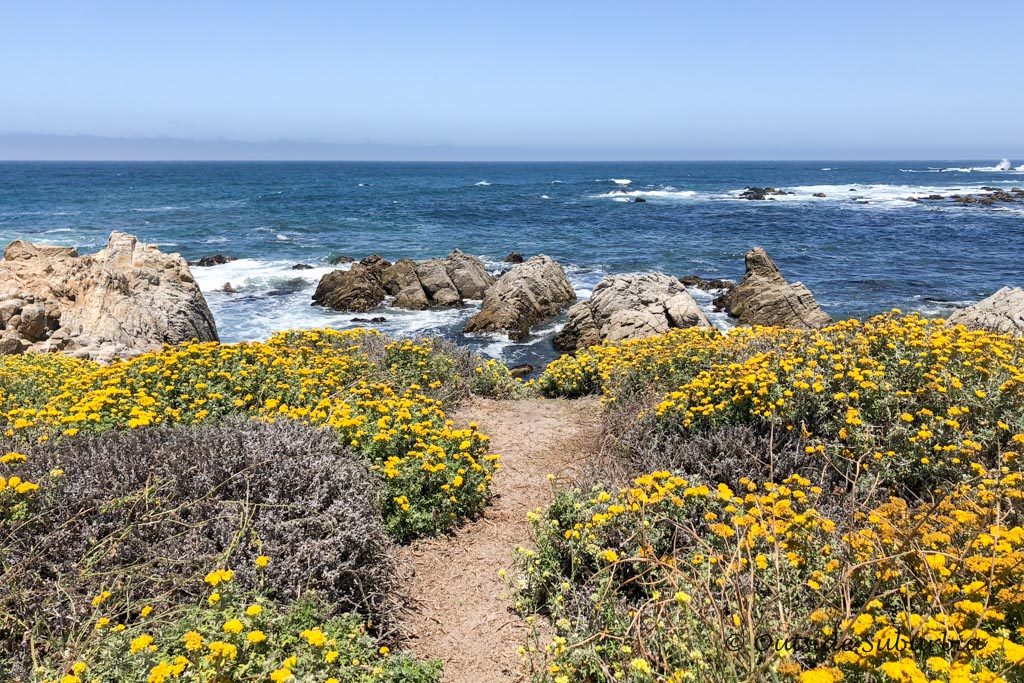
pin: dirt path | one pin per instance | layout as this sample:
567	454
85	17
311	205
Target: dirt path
457	612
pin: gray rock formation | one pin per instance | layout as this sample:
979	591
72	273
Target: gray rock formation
629	306
529	293
356	289
126	299
765	298
1003	313
415	285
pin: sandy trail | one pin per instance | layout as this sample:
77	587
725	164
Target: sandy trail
457	613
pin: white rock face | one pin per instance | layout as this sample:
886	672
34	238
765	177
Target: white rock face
629	306
126	299
1003	313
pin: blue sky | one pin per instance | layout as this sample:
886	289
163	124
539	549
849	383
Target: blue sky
570	80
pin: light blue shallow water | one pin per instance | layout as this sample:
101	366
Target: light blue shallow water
862	249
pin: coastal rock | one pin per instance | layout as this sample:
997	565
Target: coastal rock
415	285
302	266
126	299
469	275
215	260
706	285
764	297
1003	313
531	292
438	286
339	259
524	370
401	282
818	194
761	193
356	289
639	200
514	257
629	306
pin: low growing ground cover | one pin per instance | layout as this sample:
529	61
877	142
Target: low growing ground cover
281	472
842	504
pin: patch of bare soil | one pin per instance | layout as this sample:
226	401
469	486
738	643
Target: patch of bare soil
457	613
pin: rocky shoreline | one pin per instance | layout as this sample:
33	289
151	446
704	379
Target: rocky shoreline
130	298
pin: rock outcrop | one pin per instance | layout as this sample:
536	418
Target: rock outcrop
215	260
761	193
357	289
1003	313
529	293
765	298
629	306
415	285
126	299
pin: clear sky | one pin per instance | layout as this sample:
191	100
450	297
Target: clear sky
503	80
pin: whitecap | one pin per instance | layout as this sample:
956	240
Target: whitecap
621	181
556	182
482	183
283	238
544	196
623	196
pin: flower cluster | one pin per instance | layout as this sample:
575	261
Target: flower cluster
236	636
882	538
381	398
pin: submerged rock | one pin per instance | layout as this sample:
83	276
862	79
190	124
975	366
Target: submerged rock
529	293
761	193
629	306
706	285
514	257
124	300
764	297
1002	313
215	260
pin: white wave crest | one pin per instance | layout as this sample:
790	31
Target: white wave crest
667	193
482	183
621	181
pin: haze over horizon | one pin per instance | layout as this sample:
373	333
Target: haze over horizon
404	81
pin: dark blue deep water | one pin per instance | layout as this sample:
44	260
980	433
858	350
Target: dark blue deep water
862	249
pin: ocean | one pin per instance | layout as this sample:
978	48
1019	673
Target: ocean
863	248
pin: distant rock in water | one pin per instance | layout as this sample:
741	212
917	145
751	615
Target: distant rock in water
529	293
761	193
818	194
375	320
765	298
1002	313
629	306
415	285
514	257
639	200
302	266
706	285
229	288
338	259
215	260
124	300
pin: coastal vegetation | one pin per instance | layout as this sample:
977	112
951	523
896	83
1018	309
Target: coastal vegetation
808	505
281	472
836	504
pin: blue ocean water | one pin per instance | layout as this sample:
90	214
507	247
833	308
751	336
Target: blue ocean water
862	249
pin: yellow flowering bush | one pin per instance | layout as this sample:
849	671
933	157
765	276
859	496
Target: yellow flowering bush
870	527
240	636
382	398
